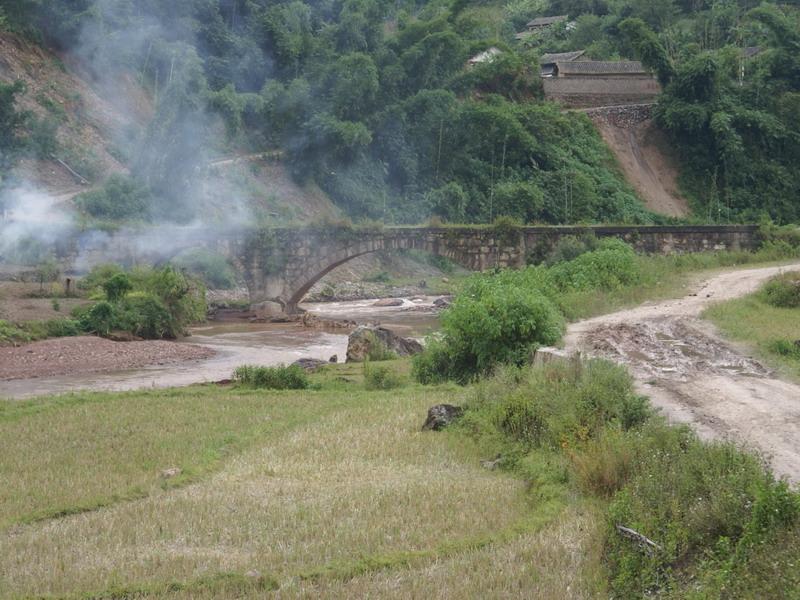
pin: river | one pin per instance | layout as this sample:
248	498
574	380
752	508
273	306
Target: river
242	343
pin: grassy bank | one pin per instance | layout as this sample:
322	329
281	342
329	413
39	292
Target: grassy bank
328	491
663	277
772	332
680	518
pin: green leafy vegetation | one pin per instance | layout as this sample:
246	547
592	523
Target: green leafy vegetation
120	199
146	302
380	377
782	291
768	320
708	511
500	318
281	377
31	331
375	102
372	100
732	112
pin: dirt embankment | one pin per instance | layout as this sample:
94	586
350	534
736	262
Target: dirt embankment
695	377
643	154
84	355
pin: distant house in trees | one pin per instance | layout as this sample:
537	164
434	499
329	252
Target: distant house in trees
486	56
545	22
548	62
541	24
588	83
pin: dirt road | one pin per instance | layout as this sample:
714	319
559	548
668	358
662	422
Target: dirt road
694	376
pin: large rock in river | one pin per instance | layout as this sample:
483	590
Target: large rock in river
366	339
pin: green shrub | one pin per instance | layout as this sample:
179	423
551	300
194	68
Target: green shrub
435	364
120	199
380	377
150	303
281	377
10	334
786	348
611	266
62	328
182	295
117	286
704	504
782	291
99	275
502	324
560	405
145	315
102	318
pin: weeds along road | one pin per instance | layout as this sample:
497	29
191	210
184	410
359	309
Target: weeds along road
696	377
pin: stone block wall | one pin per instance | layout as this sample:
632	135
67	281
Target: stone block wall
586	92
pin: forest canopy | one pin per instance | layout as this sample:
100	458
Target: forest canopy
374	101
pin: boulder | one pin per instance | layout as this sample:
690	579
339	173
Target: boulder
267	309
309	364
389	302
122	336
442	302
442	415
547	355
362	340
334	359
171	472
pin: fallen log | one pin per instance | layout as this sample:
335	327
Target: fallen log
648	544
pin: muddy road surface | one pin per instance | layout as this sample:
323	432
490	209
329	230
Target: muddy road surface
696	377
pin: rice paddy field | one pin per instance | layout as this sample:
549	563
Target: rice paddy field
215	492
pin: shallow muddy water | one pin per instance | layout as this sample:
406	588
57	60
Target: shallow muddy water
242	343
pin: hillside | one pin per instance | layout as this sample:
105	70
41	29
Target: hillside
81	129
401	113
643	152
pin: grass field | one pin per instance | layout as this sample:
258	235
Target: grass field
759	325
327	493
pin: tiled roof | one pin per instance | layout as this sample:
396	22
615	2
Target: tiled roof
544	21
591	67
561	57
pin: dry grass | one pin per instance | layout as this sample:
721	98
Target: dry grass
330	485
561	561
80	452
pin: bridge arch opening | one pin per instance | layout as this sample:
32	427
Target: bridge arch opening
440	262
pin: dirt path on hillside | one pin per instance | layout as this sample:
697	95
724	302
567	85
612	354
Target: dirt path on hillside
696	377
643	154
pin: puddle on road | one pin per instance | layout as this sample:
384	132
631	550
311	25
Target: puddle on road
670	348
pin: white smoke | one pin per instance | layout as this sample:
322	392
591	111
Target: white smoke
31	216
105	59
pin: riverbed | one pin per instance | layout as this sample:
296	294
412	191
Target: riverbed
239	343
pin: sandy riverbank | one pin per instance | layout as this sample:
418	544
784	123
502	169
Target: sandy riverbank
87	354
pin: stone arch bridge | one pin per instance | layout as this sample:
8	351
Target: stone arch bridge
281	265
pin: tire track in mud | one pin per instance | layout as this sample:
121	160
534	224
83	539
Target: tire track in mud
694	376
